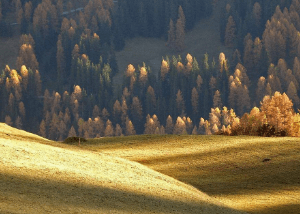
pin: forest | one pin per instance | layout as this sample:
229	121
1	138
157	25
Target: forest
63	85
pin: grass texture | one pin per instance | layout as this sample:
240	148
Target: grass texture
42	176
253	174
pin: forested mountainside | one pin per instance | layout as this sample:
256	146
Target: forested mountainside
62	83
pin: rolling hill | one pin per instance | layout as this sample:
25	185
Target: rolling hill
255	174
42	176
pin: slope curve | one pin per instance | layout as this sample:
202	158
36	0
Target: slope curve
39	178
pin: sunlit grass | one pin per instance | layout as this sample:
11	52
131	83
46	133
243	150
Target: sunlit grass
231	169
39	178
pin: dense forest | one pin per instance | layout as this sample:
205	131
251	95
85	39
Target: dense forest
63	81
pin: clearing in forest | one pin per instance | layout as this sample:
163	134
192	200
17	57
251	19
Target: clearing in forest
204	38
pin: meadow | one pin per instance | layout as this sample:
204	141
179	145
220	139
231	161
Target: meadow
42	176
254	174
149	174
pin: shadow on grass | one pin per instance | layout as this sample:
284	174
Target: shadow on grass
231	171
239	170
41	193
289	208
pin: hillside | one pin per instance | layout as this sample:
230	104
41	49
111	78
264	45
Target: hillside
39	178
254	174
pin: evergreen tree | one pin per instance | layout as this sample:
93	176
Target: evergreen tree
180	127
169	125
109	129
72	132
129	128
180	33
171	36
230	32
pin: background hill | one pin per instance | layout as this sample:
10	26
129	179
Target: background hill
39	178
254	174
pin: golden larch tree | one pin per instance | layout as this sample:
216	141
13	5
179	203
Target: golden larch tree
179	127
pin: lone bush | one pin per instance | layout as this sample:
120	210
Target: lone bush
74	140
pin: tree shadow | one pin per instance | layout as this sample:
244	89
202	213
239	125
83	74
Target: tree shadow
288	208
246	173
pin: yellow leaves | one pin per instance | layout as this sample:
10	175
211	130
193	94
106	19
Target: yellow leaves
222	62
189	58
130	70
255	112
180	67
15	77
164	69
143	75
96	36
71	32
199	82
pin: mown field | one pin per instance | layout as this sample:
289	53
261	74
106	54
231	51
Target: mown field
42	176
253	174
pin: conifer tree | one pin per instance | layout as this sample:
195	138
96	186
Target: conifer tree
22	110
60	58
248	54
292	94
180	32
150	126
8	120
296	69
118	131
117	111
62	128
124	112
150	101
136	113
171	35
164	69
230	32
27	57
96	112
180	127
169	125
98	126
195	131
129	128
195	99
217	101
72	132
109	130
38	83
143	78
104	114
18	123
42	131
180	103
257	15
261	89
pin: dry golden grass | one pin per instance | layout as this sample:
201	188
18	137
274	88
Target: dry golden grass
40	178
230	169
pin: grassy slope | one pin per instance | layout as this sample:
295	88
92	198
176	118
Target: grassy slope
230	169
40	178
